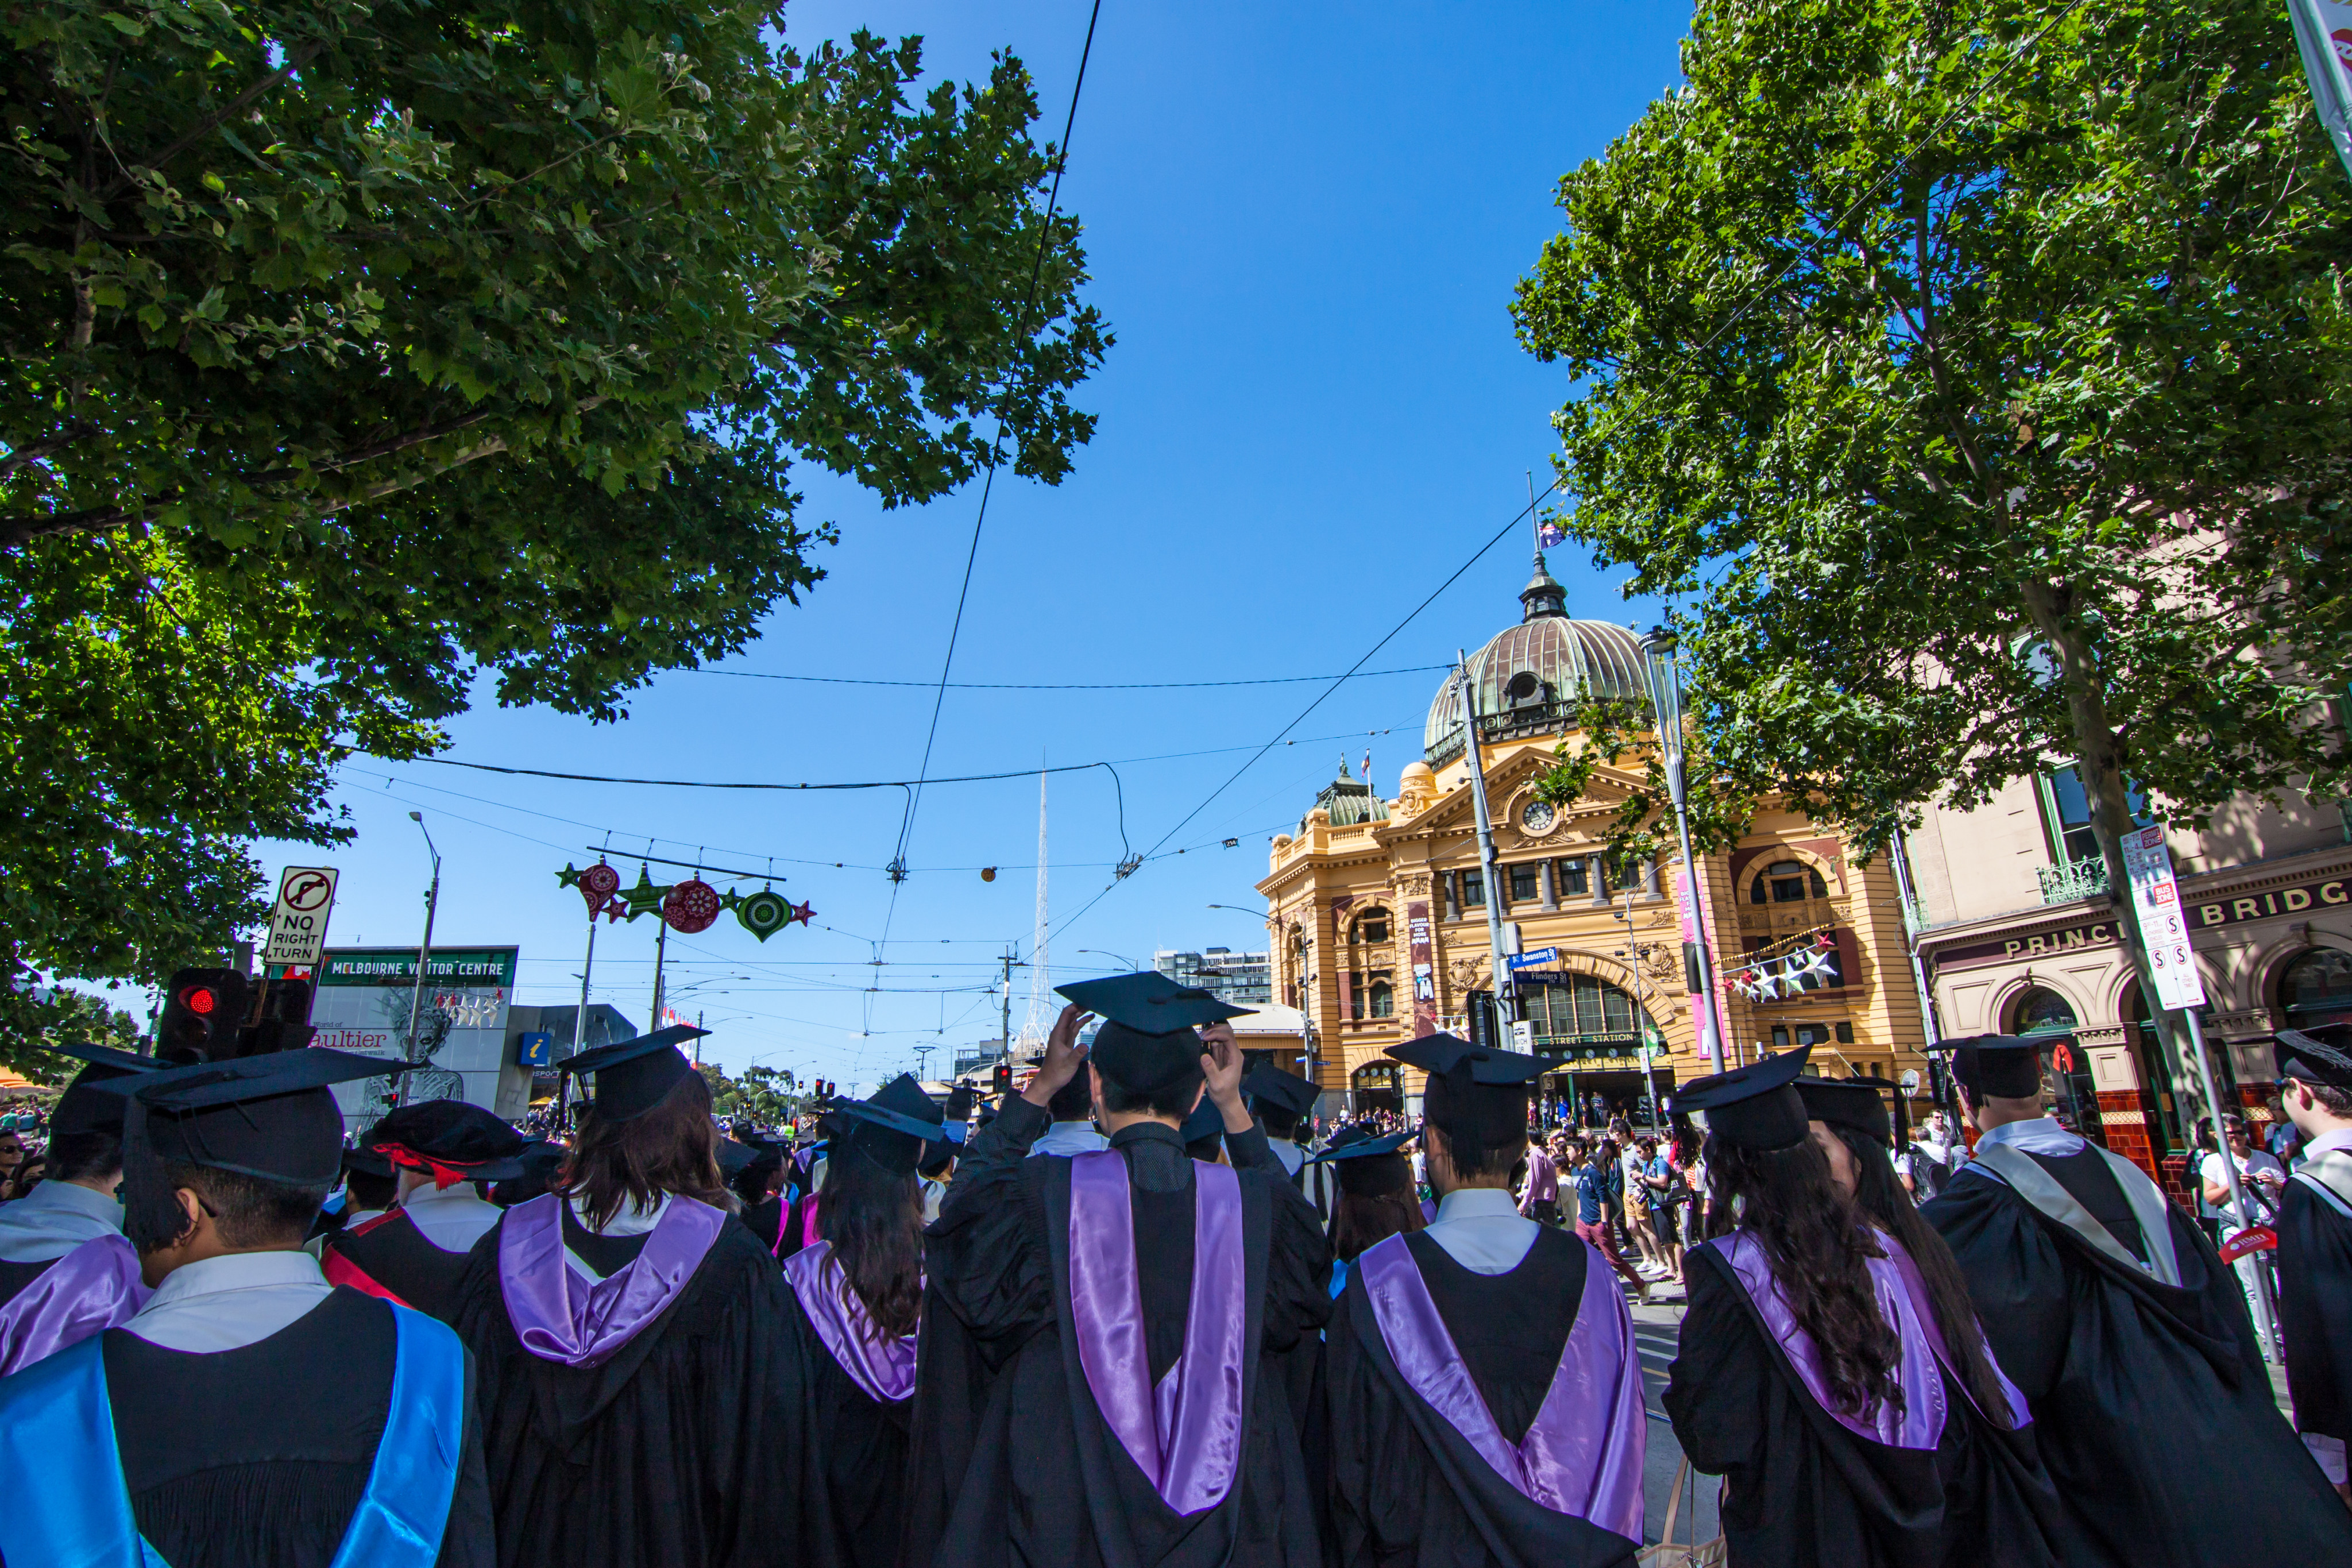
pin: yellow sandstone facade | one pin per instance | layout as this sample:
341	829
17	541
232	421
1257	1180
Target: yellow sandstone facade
1376	907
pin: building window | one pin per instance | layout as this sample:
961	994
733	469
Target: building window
2043	1011
2317	988
1573	883
1583	1010
2069	808
1779	1036
1474	889
1525	883
1845	1034
1370	927
1787	882
1383	1000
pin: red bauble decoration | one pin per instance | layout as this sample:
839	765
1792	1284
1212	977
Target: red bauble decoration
692	906
598	883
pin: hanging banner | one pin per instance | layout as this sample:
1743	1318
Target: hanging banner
1425	968
1702	1005
2155	898
2323	33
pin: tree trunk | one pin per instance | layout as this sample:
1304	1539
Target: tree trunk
2099	760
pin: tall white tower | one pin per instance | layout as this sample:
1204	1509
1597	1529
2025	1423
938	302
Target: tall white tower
1039	1024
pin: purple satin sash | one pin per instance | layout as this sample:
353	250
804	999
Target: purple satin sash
562	1317
1185	1435
94	1288
1920	1422
883	1365
1583	1453
1915	1288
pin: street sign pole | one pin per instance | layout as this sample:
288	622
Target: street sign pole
2156	898
1506	989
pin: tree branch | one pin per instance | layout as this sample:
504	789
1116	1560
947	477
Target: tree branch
294	61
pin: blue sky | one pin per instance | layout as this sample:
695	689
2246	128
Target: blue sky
1303	225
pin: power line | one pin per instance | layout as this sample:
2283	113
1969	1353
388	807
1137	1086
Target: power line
988	484
1500	534
1074	686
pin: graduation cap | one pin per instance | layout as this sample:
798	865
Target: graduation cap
1148	1040
1289	1096
634	1076
2005	1066
82	1108
1205	1126
892	1126
734	1158
1757	1107
270	1116
1475	1094
1849	1102
2301	1054
366	1162
452	1140
1366	1165
540	1160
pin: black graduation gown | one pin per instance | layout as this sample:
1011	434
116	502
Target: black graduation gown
684	1450
1406	1487
17	1277
861	1462
255	1457
765	1220
1012	1463
393	1254
2152	1406
2315	1265
1804	1489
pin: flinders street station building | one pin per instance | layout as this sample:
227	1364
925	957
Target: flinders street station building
1378	908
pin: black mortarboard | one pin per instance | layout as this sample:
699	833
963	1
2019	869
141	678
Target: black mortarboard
451	1138
539	1160
1755	1106
270	1117
1458	1058
1148	1040
1849	1102
734	1158
892	1125
1356	1143
2303	1054
1372	1167
634	1076
83	1108
1202	1129
1475	1094
366	1162
2006	1067
1283	1091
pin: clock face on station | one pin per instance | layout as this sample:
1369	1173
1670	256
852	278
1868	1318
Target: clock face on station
1538	816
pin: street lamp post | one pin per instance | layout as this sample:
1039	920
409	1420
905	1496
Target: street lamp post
1666	703
1506	989
423	949
1133	967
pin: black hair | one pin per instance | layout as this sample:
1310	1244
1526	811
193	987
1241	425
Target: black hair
1884	1202
1175	1097
2337	1101
1377	1201
82	1156
1486	1129
1813	1235
370	1191
249	1212
1074	1101
672	1148
874	1217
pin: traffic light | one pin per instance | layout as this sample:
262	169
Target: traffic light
203	1011
1004	1079
285	1021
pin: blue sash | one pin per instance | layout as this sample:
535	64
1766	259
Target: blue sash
56	1423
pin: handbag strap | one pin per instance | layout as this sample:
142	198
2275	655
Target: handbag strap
1675	1504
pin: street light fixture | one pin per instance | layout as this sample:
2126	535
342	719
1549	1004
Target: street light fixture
1132	966
1666	703
424	948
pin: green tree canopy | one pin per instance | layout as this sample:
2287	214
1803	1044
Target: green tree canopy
358	352
1976	373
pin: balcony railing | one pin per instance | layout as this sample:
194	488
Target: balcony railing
2082	878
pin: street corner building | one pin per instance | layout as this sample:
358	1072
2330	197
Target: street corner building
1378	907
2020	933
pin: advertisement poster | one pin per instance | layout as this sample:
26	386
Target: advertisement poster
1425	968
362	1000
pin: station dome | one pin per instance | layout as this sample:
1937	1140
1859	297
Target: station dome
1529	679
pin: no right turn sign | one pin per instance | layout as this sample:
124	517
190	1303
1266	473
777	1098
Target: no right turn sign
298	925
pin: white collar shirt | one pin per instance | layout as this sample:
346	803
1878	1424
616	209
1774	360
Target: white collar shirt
1482	1229
453	1218
53	1219
2037	1135
228	1302
1066	1138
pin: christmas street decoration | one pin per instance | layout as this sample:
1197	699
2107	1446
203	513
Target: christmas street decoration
1786	974
691	906
763	913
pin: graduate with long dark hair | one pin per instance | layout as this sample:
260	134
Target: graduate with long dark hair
1377	1199
1816	1374
859	1295
643	1395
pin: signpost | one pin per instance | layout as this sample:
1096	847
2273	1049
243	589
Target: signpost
297	923
1541	958
2155	900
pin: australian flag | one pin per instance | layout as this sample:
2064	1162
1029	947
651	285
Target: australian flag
1549	535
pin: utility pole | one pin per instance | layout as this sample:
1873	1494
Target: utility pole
423	950
1506	990
1666	707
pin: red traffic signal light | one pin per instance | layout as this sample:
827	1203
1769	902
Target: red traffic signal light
1004	1077
201	1000
202	1010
